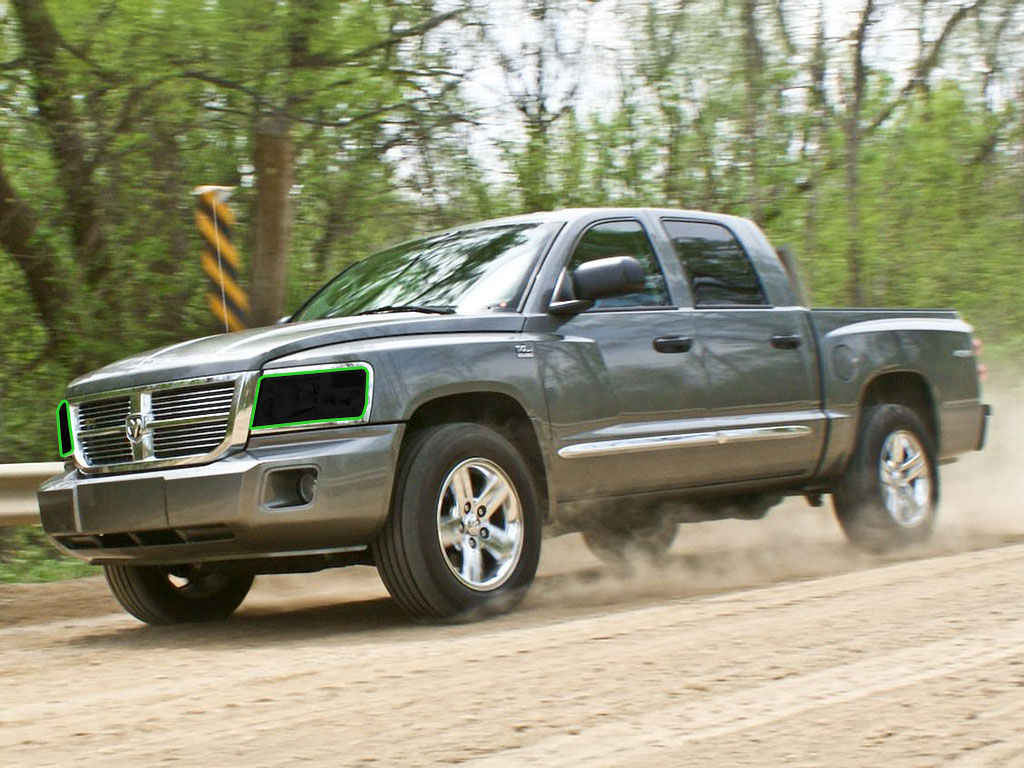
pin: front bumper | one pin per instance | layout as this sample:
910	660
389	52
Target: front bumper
230	509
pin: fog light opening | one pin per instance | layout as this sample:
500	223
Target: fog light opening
291	487
307	486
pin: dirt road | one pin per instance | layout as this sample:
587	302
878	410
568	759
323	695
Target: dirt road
766	643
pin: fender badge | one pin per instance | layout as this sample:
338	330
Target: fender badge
524	350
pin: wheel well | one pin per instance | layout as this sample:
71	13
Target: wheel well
908	389
498	411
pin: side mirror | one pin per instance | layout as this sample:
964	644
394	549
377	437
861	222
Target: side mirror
601	279
604	278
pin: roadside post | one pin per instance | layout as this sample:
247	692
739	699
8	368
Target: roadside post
228	302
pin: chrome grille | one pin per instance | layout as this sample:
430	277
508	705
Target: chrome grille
97	422
188	440
111	448
193	401
99	414
175	423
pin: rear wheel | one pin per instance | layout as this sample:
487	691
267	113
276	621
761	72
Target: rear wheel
888	497
176	594
463	536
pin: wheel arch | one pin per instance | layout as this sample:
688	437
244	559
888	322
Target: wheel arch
906	388
497	410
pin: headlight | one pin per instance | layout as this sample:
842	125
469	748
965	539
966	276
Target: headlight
296	398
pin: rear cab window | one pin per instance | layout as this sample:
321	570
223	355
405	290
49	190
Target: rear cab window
717	268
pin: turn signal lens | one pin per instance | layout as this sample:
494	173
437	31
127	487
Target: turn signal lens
65	443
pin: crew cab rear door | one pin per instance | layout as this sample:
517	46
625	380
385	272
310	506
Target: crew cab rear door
759	361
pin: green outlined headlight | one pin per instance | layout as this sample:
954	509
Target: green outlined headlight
65	442
300	398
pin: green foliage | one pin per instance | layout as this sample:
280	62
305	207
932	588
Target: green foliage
167	95
27	556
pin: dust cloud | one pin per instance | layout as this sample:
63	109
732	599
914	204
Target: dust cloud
982	507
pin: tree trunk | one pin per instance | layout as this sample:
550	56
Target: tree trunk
165	157
753	58
854	252
815	133
53	98
274	163
18	237
1020	157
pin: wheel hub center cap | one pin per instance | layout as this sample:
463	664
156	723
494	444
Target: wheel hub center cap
472	523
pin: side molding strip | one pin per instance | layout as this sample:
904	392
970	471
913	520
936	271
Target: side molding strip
689	440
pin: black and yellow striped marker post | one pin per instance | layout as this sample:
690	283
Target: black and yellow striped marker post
228	302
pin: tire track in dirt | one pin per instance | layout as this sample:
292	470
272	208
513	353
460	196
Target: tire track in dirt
272	689
750	708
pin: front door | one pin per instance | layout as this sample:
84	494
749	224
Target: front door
618	378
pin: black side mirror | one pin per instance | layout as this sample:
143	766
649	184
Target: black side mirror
601	279
604	278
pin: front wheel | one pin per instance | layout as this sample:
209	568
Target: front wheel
463	536
888	497
159	594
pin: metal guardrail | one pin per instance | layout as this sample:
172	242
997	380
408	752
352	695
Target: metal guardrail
18	484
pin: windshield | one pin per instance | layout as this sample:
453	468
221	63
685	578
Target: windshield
472	270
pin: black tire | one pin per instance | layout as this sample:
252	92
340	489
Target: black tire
879	508
161	595
619	546
432	581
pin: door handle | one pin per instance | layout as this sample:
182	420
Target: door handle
784	341
673	344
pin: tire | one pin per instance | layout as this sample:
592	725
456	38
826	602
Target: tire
888	497
441	561
162	595
620	546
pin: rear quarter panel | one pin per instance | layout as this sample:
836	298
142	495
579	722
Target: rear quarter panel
857	346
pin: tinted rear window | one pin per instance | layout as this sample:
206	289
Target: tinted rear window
718	269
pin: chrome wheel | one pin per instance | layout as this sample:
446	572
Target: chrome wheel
480	524
906	479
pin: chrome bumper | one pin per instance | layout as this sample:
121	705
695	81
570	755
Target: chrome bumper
234	507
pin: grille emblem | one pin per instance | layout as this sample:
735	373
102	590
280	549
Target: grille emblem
134	426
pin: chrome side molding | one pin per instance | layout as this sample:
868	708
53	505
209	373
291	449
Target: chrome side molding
688	440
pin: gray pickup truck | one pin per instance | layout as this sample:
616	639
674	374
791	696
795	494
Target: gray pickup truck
437	406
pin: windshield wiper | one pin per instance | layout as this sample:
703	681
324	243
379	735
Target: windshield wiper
438	310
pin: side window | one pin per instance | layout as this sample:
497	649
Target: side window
623	238
720	273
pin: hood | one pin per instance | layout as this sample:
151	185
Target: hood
250	350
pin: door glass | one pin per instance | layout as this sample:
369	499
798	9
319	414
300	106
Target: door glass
719	271
623	238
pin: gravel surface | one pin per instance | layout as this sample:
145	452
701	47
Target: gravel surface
755	644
